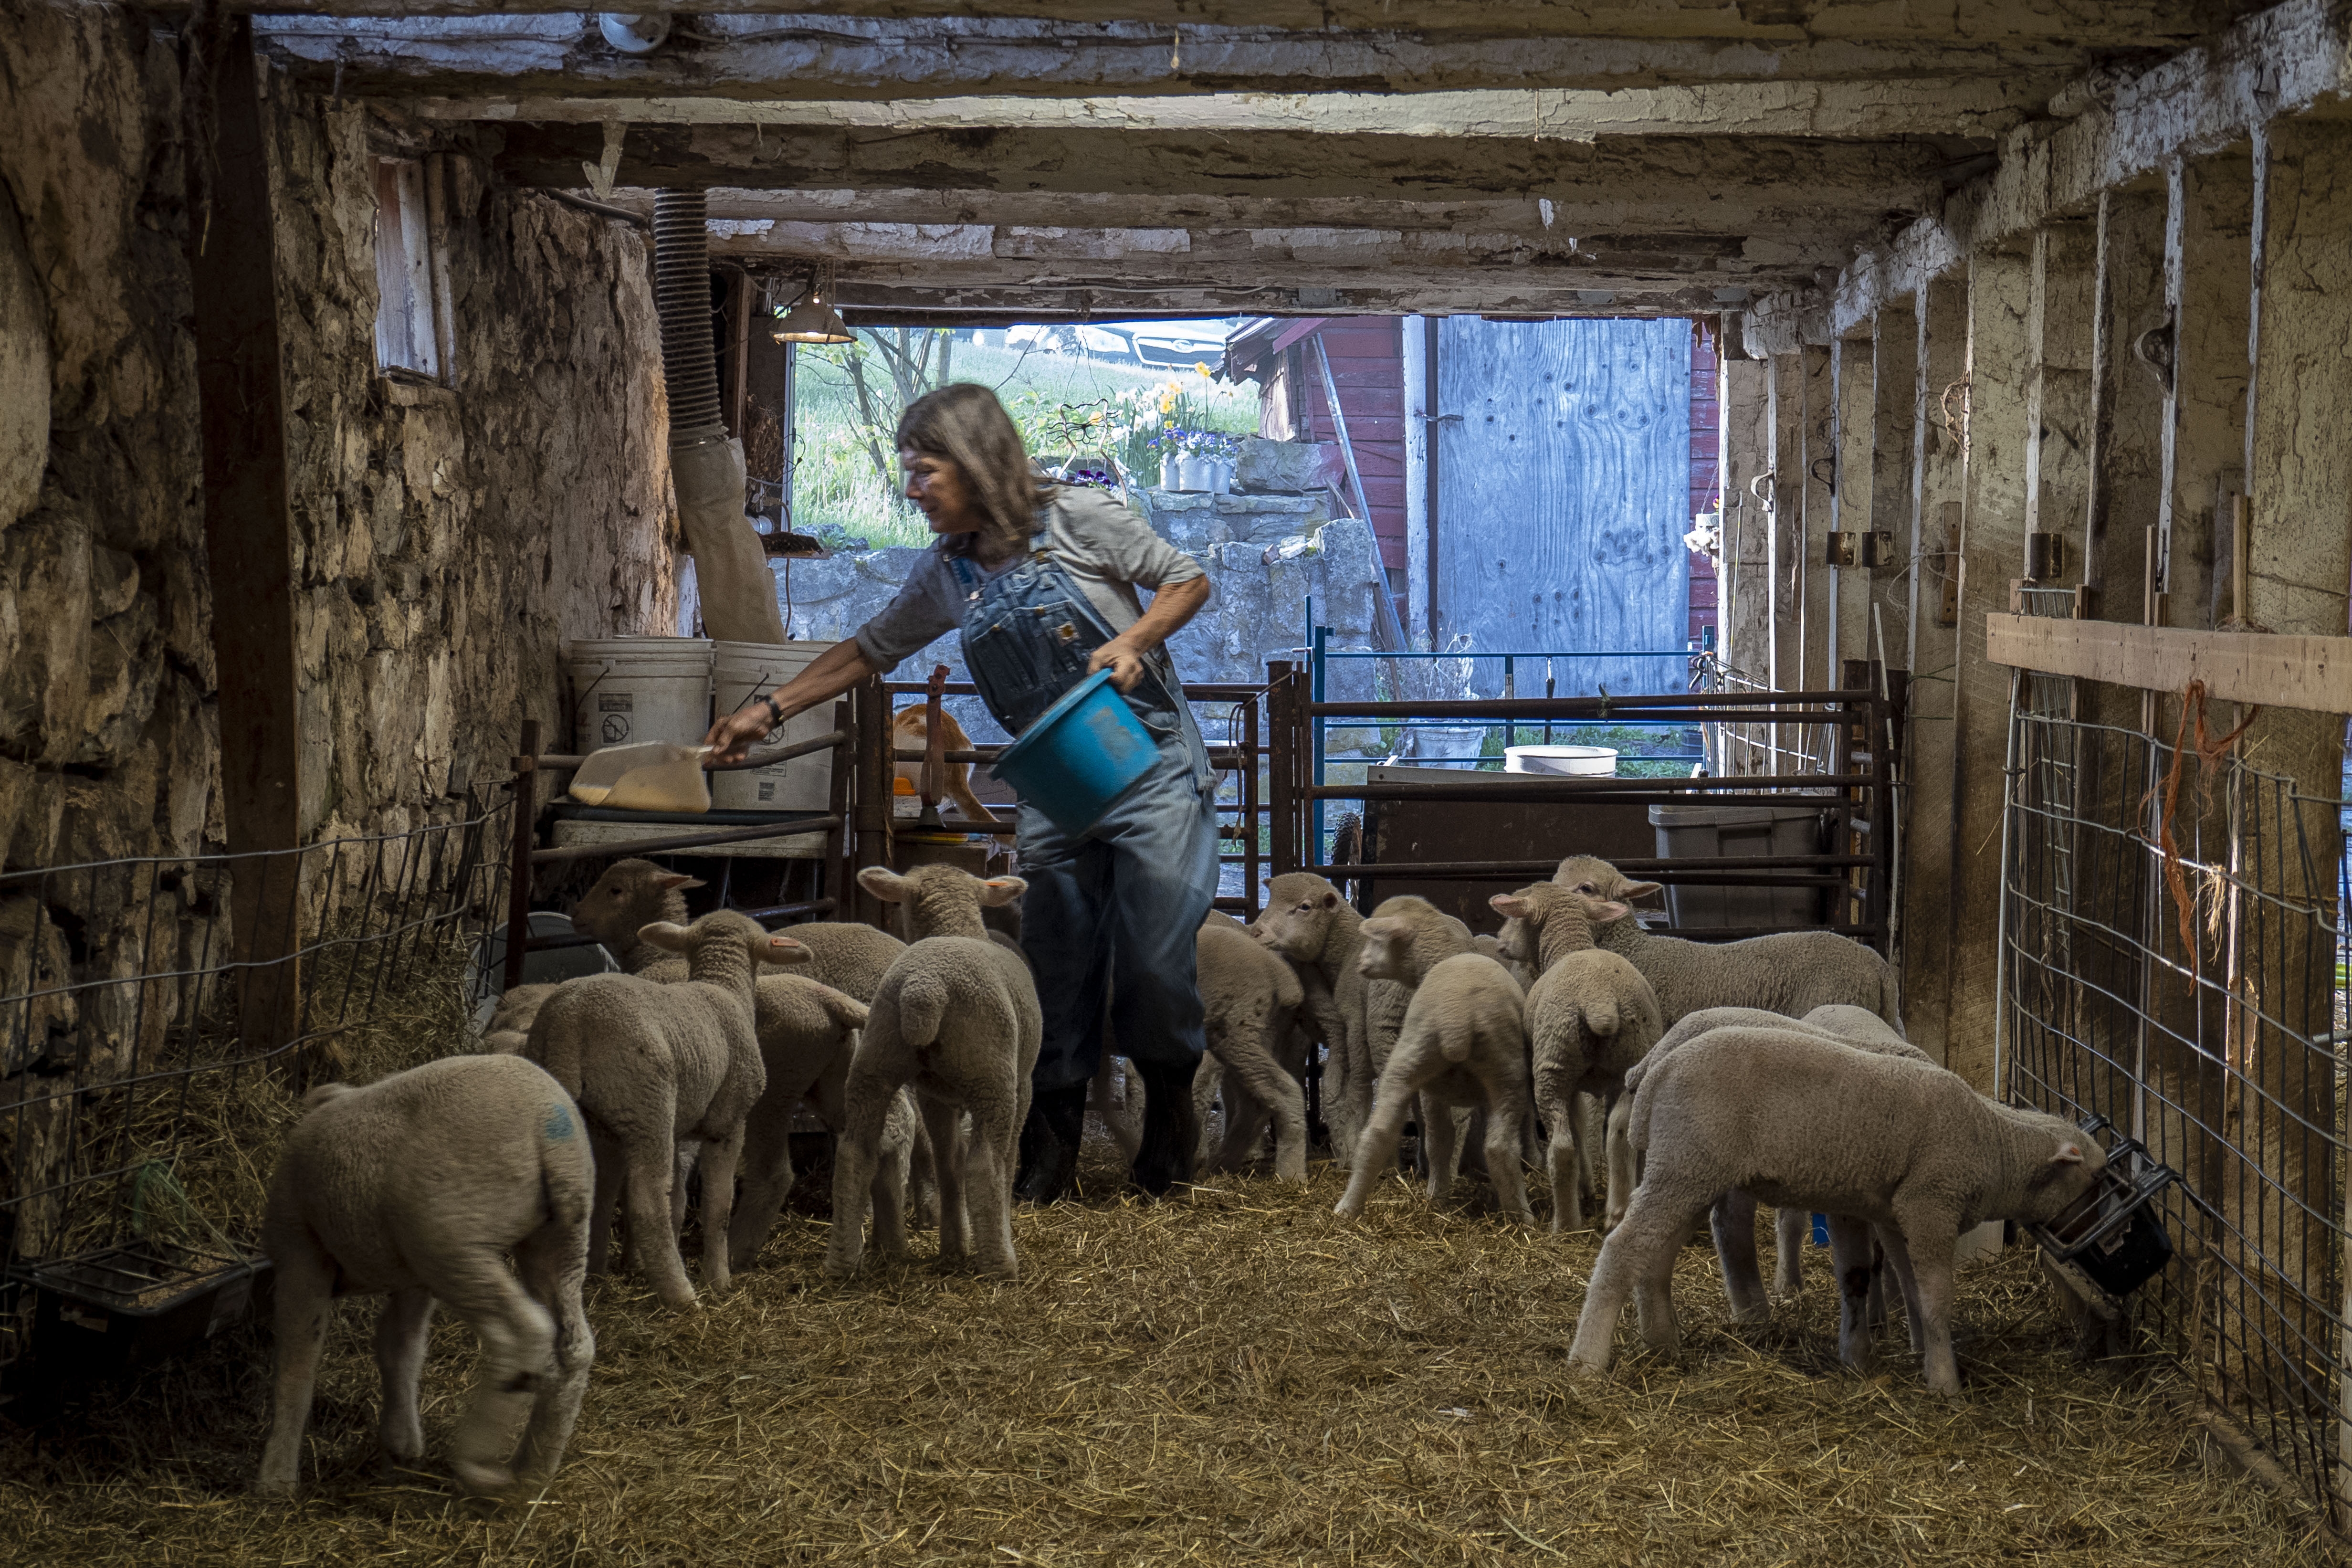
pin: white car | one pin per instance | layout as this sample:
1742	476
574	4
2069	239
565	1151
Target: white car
1069	338
1180	343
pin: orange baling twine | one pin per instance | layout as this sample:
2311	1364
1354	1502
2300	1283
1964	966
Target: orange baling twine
2209	749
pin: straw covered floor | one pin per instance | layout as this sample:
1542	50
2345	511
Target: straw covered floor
1234	1377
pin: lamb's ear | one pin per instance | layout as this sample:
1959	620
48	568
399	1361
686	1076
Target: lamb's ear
1604	913
1633	890
781	950
666	935
677	880
1331	899
1513	906
884	884
999	891
2068	1155
845	1010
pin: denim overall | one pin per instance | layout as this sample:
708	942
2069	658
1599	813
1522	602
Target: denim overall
1119	907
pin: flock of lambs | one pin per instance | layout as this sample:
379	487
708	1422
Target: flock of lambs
1770	1071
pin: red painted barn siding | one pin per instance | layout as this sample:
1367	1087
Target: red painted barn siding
1368	362
1706	453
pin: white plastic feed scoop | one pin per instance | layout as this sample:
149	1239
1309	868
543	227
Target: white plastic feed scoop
656	776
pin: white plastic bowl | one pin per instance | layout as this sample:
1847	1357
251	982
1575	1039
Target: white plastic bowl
1593	762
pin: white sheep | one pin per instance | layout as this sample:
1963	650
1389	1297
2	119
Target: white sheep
1309	923
422	1187
631	895
1249	997
1463	1043
957	1017
1790	973
1805	1122
1733	1218
806	1032
1590	1017
654	1065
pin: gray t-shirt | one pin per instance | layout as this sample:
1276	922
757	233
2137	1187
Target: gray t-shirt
1105	546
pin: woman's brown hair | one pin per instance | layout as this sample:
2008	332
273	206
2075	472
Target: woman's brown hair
965	423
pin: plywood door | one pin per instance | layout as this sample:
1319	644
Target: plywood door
1563	460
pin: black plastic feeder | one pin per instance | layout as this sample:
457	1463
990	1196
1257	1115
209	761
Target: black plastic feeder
2113	1233
105	1312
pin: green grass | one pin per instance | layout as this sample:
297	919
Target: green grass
836	476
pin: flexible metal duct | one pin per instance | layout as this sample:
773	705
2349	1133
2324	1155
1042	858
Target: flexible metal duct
739	594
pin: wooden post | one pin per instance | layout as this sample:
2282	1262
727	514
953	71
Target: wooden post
1340	428
875	773
249	525
526	813
837	868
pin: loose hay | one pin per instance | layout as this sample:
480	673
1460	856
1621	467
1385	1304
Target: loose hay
1235	1375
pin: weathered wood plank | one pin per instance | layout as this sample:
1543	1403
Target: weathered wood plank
2310	673
248	523
1563	490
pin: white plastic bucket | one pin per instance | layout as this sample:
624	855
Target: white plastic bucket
743	672
627	690
1595	762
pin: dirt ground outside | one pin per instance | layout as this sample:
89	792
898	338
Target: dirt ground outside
1236	1376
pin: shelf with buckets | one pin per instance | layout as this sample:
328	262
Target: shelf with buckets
640	707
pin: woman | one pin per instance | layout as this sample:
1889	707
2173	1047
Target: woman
1119	906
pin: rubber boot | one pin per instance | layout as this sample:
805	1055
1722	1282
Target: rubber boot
1171	1132
1049	1144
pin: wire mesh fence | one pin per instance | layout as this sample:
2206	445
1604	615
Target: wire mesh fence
2173	959
128	1036
1777	748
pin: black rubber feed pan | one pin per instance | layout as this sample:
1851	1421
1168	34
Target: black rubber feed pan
105	1312
2114	1234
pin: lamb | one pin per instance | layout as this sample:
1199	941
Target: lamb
1790	971
1590	1017
1248	998
1807	1122
420	1187
630	896
955	1016
1733	1219
653	1065
806	1031
1463	1043
1309	923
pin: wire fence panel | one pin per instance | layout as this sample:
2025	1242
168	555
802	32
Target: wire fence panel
123	1000
2174	955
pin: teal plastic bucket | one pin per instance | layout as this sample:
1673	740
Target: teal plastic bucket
1080	755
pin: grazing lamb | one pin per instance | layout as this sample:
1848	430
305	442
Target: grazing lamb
421	1188
1590	1017
1790	973
1732	1218
1807	1122
957	1017
1463	1043
1308	923
654	1065
1248	998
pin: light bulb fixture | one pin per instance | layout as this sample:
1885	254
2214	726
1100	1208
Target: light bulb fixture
813	321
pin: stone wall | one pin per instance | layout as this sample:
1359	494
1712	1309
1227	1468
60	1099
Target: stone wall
446	539
1257	611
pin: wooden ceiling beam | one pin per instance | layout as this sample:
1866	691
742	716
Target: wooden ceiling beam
766	58
1696	177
